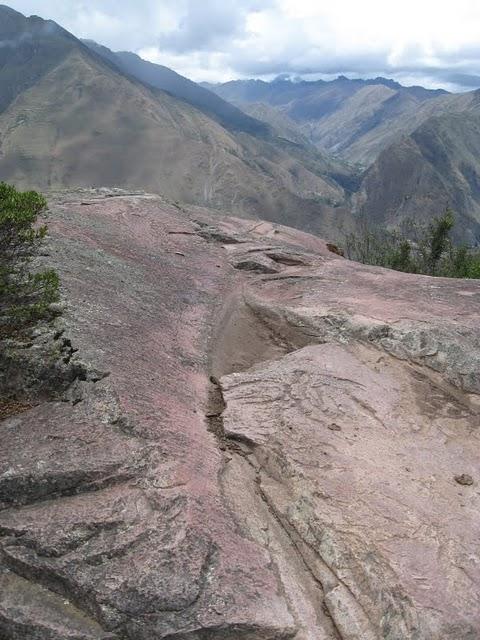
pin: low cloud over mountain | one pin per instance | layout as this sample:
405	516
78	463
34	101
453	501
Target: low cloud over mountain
219	40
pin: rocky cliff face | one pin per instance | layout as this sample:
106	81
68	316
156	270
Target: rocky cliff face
262	440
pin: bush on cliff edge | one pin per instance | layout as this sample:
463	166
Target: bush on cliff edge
25	292
415	248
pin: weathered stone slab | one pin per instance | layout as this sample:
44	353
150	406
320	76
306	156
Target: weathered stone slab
241	455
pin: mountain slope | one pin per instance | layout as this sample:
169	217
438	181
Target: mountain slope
30	47
436	166
338	116
167	80
79	120
420	149
279	122
277	132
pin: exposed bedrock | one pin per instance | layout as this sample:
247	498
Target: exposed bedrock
277	447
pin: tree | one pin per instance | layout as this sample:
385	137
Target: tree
438	240
401	257
25	293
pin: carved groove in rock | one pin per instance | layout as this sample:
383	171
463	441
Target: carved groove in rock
261	416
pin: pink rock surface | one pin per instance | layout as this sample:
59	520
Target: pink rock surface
271	455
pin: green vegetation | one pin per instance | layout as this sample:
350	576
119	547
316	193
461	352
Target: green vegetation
26	293
415	249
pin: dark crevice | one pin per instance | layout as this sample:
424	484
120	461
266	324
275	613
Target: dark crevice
215	235
290	338
215	409
47	579
74	486
286	259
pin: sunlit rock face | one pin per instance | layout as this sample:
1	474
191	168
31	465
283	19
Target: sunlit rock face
262	440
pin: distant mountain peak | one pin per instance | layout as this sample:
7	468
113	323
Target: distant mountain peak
10	22
4	10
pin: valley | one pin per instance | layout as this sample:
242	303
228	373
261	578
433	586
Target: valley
415	150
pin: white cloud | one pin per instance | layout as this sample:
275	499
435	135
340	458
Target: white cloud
203	66
431	40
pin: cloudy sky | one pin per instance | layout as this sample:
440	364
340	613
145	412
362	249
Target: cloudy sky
431	42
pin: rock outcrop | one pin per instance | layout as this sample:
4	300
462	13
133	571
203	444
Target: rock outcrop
271	447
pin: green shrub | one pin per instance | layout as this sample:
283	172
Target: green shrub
438	240
415	249
25	293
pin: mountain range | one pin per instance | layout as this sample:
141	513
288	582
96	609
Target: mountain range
316	155
350	117
78	115
417	150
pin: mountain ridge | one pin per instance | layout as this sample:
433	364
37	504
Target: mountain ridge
80	120
165	79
